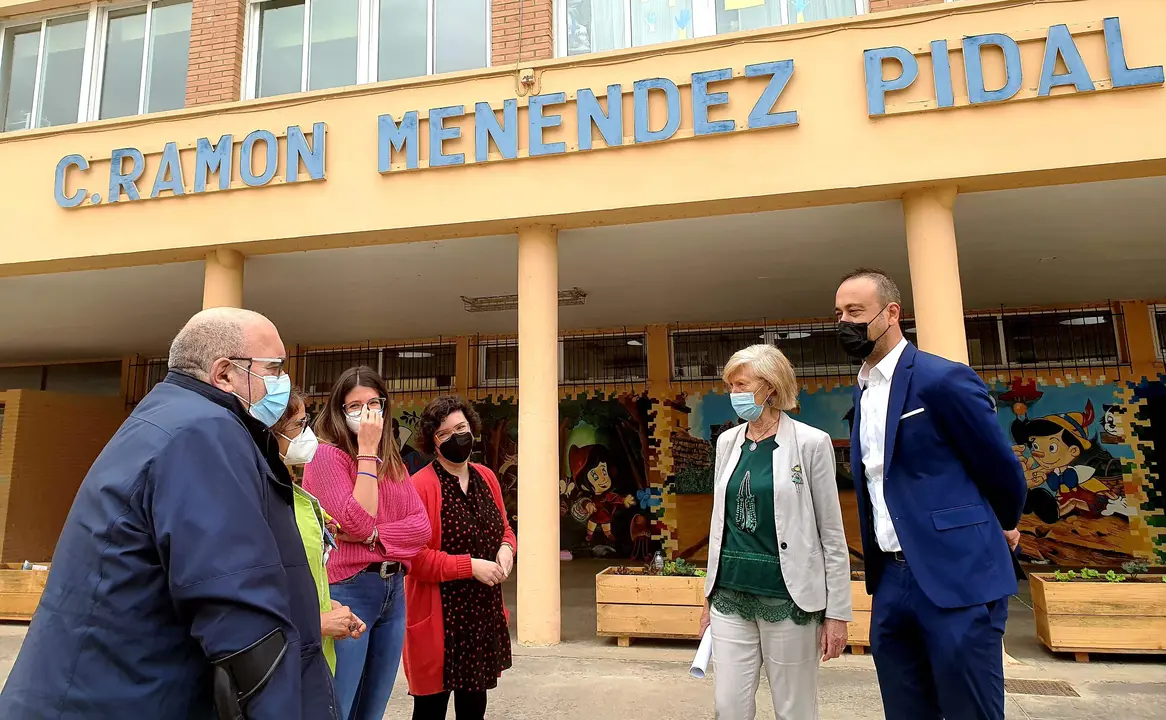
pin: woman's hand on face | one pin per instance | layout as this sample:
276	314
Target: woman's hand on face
487	572
372	426
833	636
506	559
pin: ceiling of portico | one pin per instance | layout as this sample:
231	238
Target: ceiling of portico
1065	244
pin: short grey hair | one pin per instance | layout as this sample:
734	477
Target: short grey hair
772	367
210	335
888	291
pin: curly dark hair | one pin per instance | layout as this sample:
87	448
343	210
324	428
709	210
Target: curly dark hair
435	413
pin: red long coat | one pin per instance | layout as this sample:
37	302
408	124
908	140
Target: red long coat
424	655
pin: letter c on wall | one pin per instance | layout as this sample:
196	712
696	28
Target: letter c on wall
68	201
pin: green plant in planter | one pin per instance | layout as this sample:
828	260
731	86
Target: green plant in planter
682	568
1090	574
1113	577
1134	568
1065	576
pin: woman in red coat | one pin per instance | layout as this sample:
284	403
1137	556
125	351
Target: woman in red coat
457	639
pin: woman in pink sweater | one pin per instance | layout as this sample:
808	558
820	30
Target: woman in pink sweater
358	476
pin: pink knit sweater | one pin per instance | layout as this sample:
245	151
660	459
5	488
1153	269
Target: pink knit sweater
402	524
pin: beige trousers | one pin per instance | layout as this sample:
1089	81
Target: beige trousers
789	653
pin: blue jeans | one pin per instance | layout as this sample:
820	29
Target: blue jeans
366	668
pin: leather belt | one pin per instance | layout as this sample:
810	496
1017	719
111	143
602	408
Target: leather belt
896	557
385	569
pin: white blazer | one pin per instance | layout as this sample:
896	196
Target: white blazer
815	559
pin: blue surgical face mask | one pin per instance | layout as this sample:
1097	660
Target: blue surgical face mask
746	406
272	406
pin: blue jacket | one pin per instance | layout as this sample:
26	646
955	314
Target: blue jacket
181	547
951	483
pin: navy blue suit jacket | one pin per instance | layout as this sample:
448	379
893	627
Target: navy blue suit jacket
181	548
951	483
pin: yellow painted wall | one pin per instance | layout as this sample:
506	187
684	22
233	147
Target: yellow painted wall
837	154
49	442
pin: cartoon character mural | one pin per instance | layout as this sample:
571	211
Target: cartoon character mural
605	501
1060	460
603	444
596	503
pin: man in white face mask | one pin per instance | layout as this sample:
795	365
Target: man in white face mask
184	517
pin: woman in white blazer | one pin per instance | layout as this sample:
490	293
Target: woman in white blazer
778	585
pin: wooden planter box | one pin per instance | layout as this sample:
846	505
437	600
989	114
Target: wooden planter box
647	606
20	591
858	629
1084	617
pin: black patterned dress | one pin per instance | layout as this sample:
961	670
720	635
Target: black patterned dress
477	641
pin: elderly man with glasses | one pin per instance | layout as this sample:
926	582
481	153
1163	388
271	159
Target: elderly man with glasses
179	587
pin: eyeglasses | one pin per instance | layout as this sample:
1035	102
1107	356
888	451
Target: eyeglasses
444	435
274	365
301	424
354	408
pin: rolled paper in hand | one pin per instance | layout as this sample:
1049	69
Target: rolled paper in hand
700	663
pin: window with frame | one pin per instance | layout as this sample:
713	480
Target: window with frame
104	62
1061	338
302	45
320	369
603	358
702	354
587	26
497	363
419	367
83	378
1159	326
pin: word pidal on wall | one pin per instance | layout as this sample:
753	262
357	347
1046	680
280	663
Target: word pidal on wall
1059	45
401	137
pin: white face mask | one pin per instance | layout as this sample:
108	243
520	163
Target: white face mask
353	422
302	448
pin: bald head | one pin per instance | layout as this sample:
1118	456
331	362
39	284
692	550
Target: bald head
219	333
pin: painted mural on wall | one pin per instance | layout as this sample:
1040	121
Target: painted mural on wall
1089	450
1069	438
605	501
1145	422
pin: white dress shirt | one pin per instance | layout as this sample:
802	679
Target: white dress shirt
872	434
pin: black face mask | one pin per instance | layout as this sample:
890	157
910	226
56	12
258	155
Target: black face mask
855	337
457	447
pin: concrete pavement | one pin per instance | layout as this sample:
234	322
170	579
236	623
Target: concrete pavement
590	678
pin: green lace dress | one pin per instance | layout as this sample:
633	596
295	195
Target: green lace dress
749	581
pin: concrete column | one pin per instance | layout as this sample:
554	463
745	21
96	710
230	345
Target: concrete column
538	435
461	378
935	272
222	286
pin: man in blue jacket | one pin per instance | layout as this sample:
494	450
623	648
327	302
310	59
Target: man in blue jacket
940	493
179	587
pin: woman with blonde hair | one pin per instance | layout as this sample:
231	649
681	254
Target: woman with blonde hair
360	480
778	584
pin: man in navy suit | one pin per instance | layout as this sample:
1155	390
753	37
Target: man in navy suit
939	494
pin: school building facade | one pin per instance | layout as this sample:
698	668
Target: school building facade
573	212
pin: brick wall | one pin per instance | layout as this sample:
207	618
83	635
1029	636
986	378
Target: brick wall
880	5
49	442
215	73
535	33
